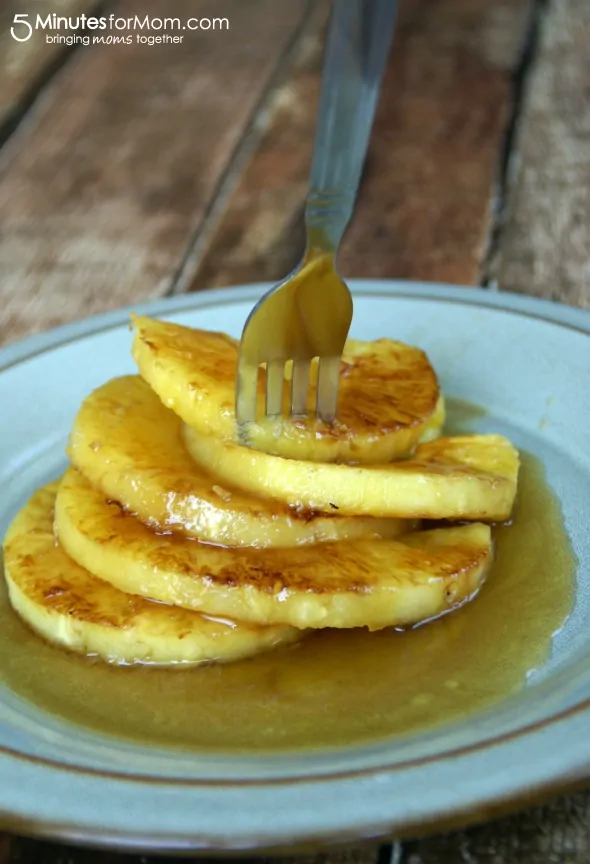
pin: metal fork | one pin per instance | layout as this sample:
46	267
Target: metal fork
308	315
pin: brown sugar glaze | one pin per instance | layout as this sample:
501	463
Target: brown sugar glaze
337	687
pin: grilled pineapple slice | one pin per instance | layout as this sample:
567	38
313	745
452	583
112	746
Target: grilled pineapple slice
353	583
130	447
466	477
68	606
389	396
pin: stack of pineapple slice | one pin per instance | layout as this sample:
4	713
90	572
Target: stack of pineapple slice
167	541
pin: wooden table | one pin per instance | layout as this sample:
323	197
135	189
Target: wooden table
132	171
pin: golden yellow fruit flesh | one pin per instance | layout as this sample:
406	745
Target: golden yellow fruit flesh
372	583
130	447
389	397
467	477
68	606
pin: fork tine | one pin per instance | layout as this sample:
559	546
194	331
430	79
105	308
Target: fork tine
328	379
247	395
300	387
275	379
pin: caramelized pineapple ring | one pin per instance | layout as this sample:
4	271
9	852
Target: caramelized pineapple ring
466	477
372	583
130	447
68	606
389	397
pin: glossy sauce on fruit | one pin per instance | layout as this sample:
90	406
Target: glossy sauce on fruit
335	688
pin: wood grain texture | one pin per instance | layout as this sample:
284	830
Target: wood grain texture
101	188
260	235
544	247
22	63
424	206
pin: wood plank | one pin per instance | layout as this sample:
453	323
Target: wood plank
261	234
424	210
544	247
424	206
22	64
101	188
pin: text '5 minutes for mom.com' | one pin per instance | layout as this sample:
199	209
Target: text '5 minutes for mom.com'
112	30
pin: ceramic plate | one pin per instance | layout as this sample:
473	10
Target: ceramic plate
528	362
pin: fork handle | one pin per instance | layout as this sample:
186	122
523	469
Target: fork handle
358	43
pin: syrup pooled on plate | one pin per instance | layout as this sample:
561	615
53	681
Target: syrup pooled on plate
335	688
